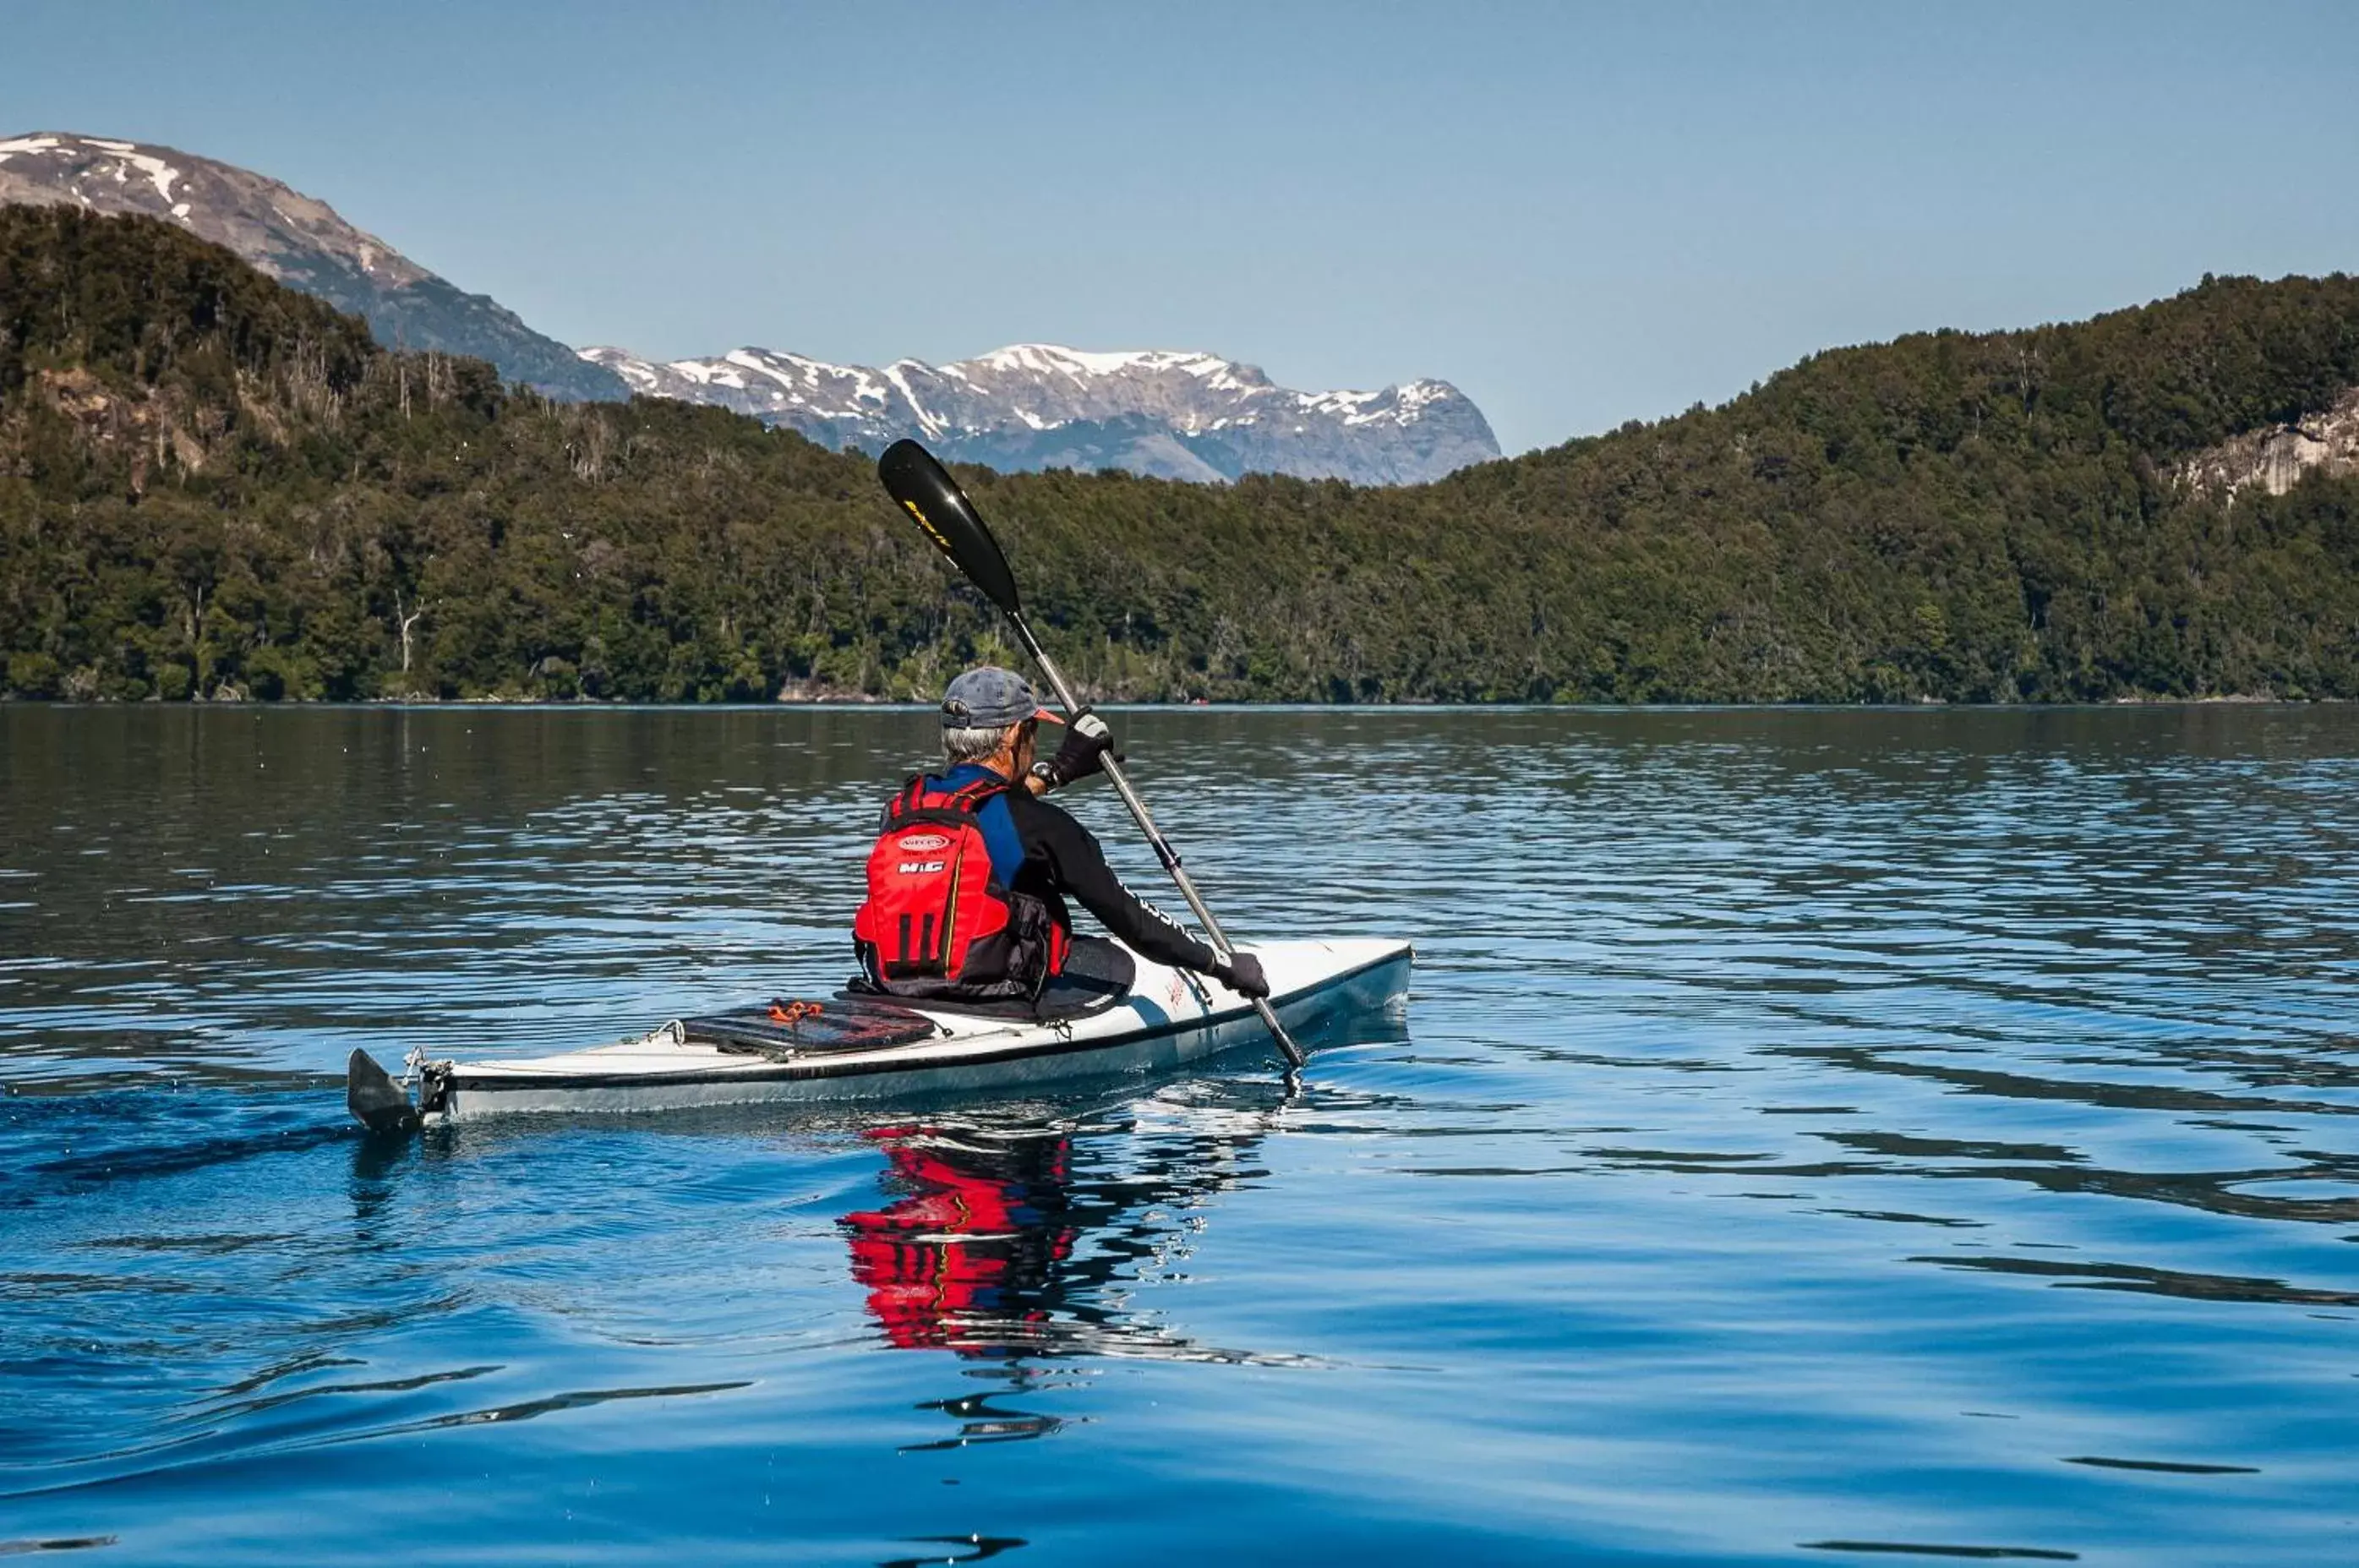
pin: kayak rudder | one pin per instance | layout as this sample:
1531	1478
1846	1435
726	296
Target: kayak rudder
379	1102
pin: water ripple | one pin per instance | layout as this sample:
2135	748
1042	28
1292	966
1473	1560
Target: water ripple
1818	1134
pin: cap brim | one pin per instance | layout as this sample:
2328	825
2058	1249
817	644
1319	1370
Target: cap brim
1046	717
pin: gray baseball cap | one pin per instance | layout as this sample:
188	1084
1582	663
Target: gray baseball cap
988	697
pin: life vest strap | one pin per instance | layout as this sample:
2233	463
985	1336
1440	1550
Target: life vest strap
930	816
916	803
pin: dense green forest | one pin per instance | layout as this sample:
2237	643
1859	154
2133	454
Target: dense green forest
212	486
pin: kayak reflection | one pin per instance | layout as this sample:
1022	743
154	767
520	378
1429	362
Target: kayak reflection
1003	1243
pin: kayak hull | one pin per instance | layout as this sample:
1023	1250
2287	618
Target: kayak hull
1168	1020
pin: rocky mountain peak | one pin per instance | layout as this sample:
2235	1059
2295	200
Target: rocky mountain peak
296	239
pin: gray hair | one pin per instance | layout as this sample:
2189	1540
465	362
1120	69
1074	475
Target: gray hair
975	746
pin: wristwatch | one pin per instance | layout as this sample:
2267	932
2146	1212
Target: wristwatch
1046	772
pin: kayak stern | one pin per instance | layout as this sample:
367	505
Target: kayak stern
379	1104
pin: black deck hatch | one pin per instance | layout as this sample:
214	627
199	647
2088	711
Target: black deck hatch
781	1029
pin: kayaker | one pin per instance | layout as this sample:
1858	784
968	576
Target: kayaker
968	883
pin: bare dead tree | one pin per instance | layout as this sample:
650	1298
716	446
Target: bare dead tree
407	621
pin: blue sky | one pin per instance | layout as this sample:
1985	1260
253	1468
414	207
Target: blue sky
1580	215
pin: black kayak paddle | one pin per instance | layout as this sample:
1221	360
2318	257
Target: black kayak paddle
927	491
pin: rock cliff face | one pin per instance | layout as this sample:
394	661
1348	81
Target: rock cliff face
2276	459
1168	413
301	241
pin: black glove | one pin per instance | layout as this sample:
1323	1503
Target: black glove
1088	743
1241	973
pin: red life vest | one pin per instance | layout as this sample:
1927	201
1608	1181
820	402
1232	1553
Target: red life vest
938	921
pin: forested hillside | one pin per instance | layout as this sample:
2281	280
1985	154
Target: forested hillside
211	486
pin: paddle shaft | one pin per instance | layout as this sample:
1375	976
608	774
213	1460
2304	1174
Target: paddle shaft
1162	846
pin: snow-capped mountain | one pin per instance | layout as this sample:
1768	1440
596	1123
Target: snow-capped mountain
1174	414
301	241
1168	413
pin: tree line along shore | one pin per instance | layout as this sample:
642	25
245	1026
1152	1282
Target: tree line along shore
214	486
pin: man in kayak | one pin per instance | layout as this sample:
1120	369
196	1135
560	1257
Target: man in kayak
968	881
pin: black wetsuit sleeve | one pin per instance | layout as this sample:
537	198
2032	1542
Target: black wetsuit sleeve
1078	866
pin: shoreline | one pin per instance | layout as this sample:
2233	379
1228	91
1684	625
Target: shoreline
892	704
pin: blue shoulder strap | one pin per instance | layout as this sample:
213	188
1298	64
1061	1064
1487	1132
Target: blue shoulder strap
995	821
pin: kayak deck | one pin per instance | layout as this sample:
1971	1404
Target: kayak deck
1169	1016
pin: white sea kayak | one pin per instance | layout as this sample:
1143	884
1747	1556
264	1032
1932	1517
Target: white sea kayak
860	1048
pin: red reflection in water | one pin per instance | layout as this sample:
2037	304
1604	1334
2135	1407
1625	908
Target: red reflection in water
963	1259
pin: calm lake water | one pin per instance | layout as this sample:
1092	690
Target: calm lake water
1817	1138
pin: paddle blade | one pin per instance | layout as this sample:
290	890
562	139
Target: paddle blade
927	491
